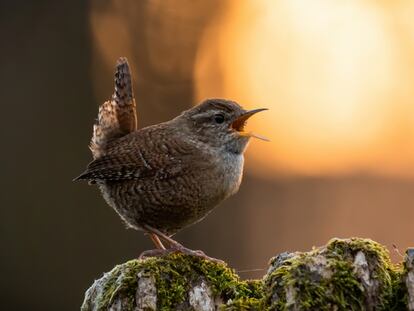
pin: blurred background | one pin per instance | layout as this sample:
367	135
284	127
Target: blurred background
336	75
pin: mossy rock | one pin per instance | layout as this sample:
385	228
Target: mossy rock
351	274
173	282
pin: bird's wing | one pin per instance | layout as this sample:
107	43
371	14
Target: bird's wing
115	167
126	160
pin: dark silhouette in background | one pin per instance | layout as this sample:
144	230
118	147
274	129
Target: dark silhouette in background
56	236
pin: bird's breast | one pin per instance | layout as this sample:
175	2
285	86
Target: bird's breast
230	172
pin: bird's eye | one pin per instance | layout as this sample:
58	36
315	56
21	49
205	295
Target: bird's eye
219	118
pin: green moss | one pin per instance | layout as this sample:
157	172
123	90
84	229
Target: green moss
399	298
295	283
309	290
174	276
243	304
249	296
322	279
387	274
349	247
121	279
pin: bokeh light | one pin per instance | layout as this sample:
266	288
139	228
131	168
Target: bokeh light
336	76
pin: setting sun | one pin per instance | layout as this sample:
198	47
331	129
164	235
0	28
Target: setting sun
335	76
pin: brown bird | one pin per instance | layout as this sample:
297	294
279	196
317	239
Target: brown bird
163	178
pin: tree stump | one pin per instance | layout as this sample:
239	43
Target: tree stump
345	274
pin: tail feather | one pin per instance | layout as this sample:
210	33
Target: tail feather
117	117
123	84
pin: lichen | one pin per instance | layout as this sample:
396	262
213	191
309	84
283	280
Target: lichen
294	285
174	276
350	274
201	298
357	273
381	268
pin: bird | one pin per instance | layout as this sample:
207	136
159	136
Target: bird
165	177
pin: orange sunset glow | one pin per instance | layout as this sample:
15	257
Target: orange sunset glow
337	79
337	76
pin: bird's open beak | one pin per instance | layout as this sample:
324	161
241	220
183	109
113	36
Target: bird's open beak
240	122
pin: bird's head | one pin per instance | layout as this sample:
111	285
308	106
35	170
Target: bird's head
220	123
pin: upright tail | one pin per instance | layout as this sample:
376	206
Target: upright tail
117	117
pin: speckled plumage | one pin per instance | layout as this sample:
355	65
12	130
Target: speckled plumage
117	117
170	175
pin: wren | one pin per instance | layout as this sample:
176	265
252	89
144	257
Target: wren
165	177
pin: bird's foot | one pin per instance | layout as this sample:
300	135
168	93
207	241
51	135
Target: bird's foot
174	246
177	250
197	253
155	253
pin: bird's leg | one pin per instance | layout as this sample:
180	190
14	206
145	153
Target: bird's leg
157	241
175	246
160	248
172	243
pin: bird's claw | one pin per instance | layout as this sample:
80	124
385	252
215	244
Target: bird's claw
153	253
177	249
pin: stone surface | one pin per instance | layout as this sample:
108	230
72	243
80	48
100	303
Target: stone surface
350	274
201	297
146	295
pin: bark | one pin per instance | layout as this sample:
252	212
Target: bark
351	274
